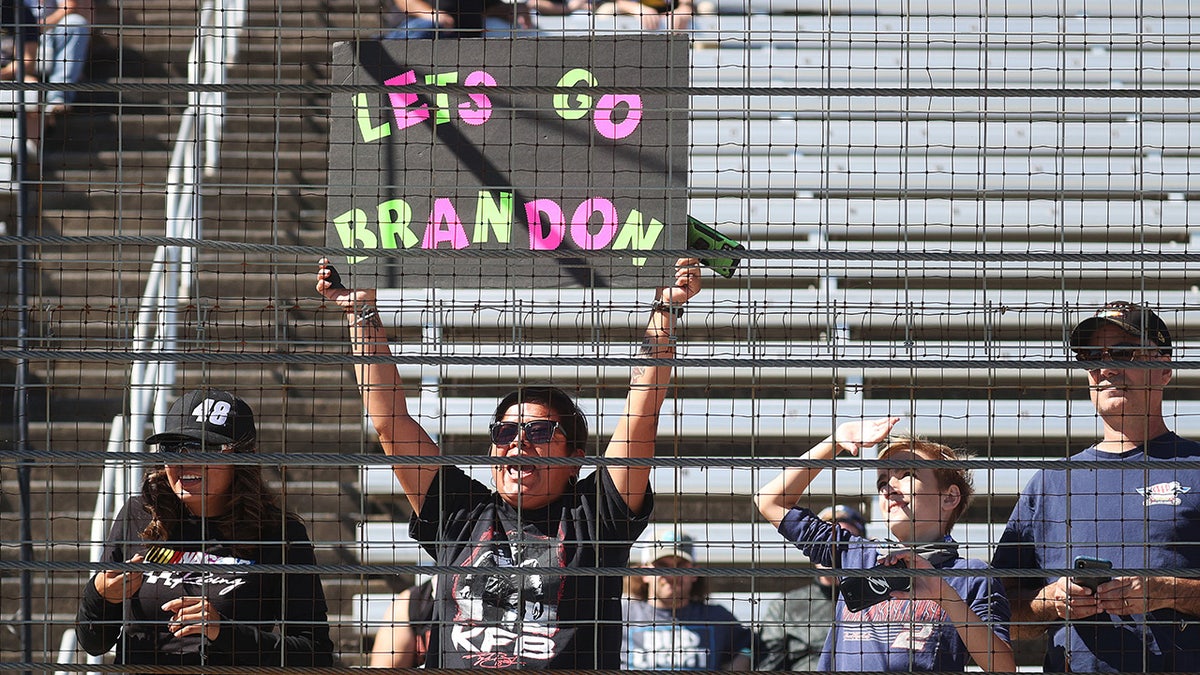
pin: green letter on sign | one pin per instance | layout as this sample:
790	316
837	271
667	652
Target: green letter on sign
634	236
352	229
395	219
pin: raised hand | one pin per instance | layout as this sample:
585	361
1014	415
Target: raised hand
687	282
854	436
329	284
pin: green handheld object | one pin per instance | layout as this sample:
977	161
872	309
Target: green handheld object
704	237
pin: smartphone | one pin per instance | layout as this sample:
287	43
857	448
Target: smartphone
707	238
1084	562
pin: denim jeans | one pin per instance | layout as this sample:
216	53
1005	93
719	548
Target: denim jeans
62	53
421	28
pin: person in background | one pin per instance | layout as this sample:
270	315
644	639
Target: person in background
62	49
403	641
654	14
795	626
1127	512
538	515
206	514
19	34
938	623
452	19
669	624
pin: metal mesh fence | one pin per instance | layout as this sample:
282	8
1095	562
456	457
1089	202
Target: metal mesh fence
931	197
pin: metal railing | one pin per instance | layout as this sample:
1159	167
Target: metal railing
193	157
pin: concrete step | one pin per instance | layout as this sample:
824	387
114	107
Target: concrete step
280	225
152	176
106	194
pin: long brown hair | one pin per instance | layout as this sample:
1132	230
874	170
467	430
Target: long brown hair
255	513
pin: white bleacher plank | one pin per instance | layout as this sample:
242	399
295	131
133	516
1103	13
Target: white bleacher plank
585	24
10	98
758	219
927	273
718	544
846	483
705	106
926	67
947	309
935	174
811	419
958	31
749	608
977	352
1011	8
368	611
864	136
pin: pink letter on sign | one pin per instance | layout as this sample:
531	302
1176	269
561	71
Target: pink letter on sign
604	112
453	232
539	239
483	110
404	116
608	223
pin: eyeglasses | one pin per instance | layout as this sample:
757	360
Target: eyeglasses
536	431
1116	353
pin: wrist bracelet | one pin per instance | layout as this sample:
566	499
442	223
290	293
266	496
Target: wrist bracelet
365	314
660	306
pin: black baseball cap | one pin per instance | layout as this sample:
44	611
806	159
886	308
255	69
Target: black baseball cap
1132	318
210	416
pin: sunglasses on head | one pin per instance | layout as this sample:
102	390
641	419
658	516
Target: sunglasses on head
184	447
1116	353
536	431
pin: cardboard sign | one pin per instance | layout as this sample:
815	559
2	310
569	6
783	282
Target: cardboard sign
588	162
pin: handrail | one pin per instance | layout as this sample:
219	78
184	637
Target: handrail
193	156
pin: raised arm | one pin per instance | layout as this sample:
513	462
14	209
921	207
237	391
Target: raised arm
637	429
776	498
382	390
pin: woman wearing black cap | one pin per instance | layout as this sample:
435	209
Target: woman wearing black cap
539	515
193	514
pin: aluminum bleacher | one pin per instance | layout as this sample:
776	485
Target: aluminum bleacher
793	344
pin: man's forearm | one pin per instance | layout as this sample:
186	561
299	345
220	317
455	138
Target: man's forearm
1030	615
1182	595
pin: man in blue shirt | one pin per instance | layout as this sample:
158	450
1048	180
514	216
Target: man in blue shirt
1143	512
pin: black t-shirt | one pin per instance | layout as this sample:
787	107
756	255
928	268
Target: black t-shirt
489	620
275	619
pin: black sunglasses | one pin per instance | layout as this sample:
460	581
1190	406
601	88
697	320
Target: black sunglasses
536	431
184	447
1116	353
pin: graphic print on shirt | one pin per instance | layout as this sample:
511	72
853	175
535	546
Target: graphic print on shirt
669	647
1164	493
901	624
226	581
504	619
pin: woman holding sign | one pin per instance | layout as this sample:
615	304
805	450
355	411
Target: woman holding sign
538	515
